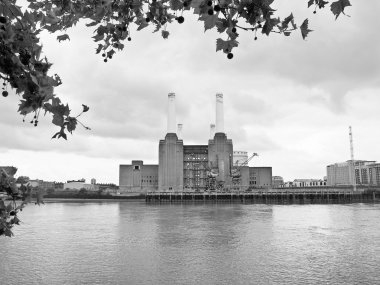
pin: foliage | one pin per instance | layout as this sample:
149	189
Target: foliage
9	209
24	69
82	192
22	179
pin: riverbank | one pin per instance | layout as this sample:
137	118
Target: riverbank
92	197
89	200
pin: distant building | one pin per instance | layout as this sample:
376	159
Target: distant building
260	177
78	185
213	166
365	172
304	183
93	181
308	182
277	181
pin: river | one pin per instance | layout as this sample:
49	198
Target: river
136	243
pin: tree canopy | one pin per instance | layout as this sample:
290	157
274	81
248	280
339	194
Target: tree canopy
9	209
24	69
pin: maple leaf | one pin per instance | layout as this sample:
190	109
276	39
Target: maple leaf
337	7
269	24
71	124
226	45
286	21
305	28
311	2
57	120
209	21
63	37
221	25
322	3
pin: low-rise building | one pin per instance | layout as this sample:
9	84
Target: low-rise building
304	183
277	181
79	184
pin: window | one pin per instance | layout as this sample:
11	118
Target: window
136	167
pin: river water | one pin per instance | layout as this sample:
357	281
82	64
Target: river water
135	243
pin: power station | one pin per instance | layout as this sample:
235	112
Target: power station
210	167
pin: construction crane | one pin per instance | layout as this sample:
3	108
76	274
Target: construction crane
236	173
353	174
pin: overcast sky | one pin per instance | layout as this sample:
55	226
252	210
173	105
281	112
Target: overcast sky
289	100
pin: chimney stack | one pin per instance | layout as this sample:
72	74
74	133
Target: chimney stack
212	131
171	113
179	131
219	114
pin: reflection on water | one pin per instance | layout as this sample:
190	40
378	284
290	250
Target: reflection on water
135	243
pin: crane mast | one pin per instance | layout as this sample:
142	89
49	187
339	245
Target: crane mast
353	174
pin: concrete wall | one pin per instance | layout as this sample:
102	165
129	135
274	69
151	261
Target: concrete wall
137	177
260	177
170	161
220	155
339	174
244	177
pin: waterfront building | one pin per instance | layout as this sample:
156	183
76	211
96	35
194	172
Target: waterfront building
210	167
78	185
304	183
277	181
365	172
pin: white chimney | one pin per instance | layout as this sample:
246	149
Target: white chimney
179	131
171	113
219	113
212	131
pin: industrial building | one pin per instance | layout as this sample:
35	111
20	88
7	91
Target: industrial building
366	172
214	166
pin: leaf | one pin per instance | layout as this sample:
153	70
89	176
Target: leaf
71	124
305	28
210	21
221	25
63	135
143	25
196	3
322	3
311	2
57	120
269	24
337	7
226	45
287	20
176	5
165	34
85	108
56	134
63	37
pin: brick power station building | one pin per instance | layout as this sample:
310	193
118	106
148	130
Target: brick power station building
211	167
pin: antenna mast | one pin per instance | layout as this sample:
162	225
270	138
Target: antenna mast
352	160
